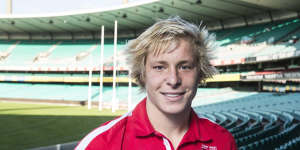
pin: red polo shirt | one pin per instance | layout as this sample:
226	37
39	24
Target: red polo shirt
133	131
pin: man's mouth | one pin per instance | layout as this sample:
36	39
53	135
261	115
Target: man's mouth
173	95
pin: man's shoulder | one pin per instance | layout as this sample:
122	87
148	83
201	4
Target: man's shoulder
109	132
112	127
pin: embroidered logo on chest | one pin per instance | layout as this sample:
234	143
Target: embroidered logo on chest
206	147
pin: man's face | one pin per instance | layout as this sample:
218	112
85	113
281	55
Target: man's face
171	79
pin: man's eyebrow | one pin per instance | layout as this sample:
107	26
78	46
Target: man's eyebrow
159	62
185	61
180	62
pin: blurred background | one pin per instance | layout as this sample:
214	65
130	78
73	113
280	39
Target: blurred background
63	70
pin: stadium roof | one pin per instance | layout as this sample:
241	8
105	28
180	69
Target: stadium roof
138	15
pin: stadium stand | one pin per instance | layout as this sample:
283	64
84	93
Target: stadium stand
262	123
54	55
263	119
257	33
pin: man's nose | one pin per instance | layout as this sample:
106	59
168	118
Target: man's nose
173	78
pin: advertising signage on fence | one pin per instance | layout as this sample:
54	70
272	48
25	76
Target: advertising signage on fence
273	76
280	75
250	59
292	75
253	77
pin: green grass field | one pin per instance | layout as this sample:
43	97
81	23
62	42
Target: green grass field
24	125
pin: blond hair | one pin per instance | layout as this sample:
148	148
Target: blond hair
160	36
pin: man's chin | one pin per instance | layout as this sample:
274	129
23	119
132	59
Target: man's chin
175	110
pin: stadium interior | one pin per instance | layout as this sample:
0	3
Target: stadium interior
255	95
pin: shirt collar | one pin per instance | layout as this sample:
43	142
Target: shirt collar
142	126
196	131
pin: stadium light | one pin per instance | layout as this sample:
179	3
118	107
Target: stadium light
161	10
198	2
124	16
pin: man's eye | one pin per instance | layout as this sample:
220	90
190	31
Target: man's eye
186	67
158	68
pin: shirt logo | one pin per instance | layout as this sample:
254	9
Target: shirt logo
206	147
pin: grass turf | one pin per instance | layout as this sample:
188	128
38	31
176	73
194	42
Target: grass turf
24	126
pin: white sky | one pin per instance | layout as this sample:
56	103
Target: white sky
52	6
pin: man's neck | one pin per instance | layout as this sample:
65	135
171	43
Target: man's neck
173	126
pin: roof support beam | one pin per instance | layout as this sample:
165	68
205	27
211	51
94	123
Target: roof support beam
51	36
246	20
30	36
271	16
222	24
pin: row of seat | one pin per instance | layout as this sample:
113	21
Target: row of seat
257	131
276	140
259	135
259	32
257	121
293	144
56	54
66	53
245	118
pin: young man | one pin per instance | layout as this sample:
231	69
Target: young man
168	61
